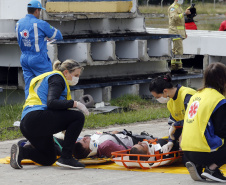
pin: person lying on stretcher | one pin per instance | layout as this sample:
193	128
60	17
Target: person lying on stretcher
102	144
145	148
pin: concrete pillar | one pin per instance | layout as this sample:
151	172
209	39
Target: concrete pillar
205	61
52	52
118	91
144	91
143	50
21	84
196	83
76	94
106	93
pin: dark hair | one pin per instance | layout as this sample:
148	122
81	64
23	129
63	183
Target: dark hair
79	151
31	10
134	150
160	83
215	77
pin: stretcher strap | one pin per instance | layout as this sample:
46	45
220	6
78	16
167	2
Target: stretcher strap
57	143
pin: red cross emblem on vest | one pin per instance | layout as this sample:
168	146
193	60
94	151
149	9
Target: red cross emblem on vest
193	109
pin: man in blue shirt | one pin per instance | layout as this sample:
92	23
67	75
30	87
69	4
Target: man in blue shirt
32	35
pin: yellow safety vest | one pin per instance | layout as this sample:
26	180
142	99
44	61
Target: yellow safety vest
176	107
33	98
197	116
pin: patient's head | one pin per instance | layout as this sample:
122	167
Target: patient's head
140	148
81	148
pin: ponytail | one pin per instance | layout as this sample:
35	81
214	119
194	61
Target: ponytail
56	65
68	64
160	83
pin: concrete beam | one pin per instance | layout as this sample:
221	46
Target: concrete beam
79	52
127	49
143	49
118	91
213	59
159	47
124	69
103	25
95	93
10	55
103	51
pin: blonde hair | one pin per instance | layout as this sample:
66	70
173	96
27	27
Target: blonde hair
68	64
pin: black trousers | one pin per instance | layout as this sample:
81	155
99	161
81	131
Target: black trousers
39	126
207	158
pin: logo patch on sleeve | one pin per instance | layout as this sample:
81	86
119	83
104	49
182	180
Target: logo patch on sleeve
172	9
25	34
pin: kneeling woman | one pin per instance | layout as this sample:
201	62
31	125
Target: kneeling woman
205	127
46	112
177	99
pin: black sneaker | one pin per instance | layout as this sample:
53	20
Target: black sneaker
195	171
16	157
70	163
215	175
179	71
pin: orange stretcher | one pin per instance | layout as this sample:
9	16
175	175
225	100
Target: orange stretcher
122	158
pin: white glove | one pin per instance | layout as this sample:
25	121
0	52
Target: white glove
172	131
167	147
83	108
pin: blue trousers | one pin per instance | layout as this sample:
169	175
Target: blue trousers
34	64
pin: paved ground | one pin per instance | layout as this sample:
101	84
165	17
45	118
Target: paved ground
32	174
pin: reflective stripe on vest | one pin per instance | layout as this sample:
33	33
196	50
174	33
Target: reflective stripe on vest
180	27
177	39
181	15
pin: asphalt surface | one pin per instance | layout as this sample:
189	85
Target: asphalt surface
33	174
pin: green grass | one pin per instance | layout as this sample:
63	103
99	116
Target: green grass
139	110
8	115
208	18
206	8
